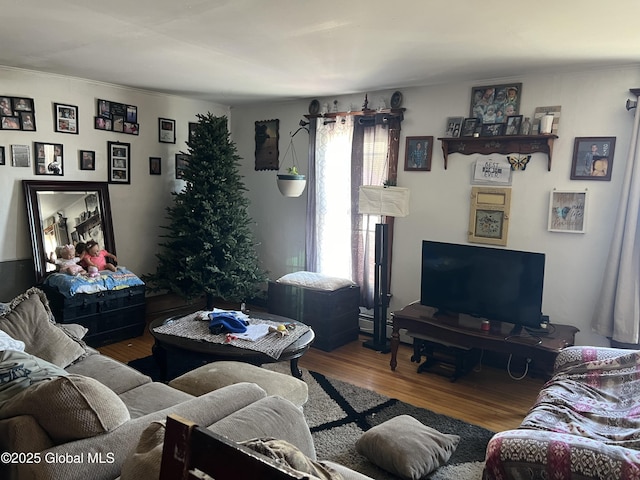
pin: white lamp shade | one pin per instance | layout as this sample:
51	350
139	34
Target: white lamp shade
388	201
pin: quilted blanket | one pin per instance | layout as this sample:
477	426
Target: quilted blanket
585	423
70	285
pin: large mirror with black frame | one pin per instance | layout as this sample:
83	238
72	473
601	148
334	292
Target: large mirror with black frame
63	213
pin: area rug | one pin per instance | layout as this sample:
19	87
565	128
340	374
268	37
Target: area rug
338	413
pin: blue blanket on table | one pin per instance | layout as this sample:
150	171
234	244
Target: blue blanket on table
69	285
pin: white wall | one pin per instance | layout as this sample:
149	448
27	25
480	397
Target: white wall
592	105
138	209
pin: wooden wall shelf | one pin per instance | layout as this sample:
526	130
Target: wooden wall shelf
524	144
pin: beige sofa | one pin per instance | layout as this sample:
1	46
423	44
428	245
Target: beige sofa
77	414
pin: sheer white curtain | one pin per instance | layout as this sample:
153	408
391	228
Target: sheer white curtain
617	313
333	198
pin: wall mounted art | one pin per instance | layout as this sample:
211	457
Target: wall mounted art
489	218
20	156
49	158
417	154
267	136
65	118
166	130
155	165
117	117
494	103
119	155
17	113
567	211
182	161
87	160
592	158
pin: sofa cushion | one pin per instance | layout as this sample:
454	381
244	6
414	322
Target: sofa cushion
69	408
151	397
29	320
114	374
406	447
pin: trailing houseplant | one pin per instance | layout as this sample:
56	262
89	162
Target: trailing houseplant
209	248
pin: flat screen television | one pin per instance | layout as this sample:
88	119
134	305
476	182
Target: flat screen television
490	283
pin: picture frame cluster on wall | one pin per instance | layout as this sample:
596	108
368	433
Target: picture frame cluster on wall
17	113
117	117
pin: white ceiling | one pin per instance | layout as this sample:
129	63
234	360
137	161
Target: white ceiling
247	51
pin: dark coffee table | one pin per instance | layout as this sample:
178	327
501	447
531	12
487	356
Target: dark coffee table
170	347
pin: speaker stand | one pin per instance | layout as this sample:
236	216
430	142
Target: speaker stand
379	341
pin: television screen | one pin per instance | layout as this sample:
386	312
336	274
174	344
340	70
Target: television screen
491	283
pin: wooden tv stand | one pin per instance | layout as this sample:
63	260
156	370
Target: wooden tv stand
466	333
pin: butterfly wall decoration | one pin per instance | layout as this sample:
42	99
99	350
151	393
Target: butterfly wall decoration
518	162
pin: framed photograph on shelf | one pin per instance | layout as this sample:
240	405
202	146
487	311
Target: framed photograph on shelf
119	155
512	126
491	129
65	118
2	159
489	217
453	126
494	103
167	130
267	137
87	160
182	161
592	158
417	154
155	165
469	127
567	211
49	158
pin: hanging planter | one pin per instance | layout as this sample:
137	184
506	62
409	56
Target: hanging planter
292	183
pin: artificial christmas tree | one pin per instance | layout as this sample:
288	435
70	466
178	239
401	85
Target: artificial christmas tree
209	248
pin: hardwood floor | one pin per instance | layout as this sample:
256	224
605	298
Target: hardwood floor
486	396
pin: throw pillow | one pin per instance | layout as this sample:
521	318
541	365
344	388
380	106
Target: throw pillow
19	370
315	281
69	408
30	321
406	447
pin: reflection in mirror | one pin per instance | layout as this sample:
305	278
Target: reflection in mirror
66	212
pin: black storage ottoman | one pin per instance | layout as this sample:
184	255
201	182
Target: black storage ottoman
110	316
331	313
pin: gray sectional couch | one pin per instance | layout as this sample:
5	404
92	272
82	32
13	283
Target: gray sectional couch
69	423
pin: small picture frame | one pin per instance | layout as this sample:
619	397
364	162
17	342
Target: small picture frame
119	155
102	123
469	126
567	211
192	131
417	154
182	161
21	104
132	114
267	136
155	165
512	127
491	129
20	156
10	123
49	158
593	158
87	160
27	121
65	118
166	130
453	127
2	158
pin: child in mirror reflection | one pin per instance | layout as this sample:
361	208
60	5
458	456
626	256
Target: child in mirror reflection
96	257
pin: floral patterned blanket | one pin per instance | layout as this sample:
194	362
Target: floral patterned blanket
585	423
70	285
